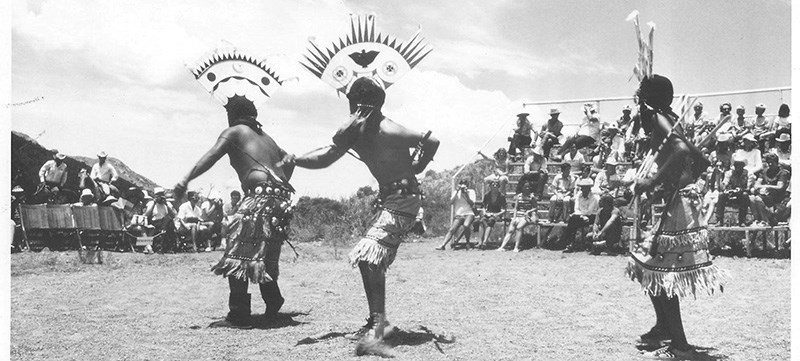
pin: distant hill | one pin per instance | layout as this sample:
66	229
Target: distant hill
27	157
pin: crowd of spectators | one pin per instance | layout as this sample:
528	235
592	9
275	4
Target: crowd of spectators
588	187
201	220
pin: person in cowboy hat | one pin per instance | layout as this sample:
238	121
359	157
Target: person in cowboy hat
750	153
87	199
104	174
522	134
548	136
587	203
53	175
735	190
783	150
625	120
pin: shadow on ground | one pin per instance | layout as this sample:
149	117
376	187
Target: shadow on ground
414	337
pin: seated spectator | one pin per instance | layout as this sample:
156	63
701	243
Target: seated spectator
52	177
535	172
463	201
762	128
550	133
524	214
769	191
750	154
211	217
160	215
697	122
500	169
607	229
87	199
782	123
625	120
783	150
607	181
229	210
188	222
736	189
742	124
574	158
589	132
586	207
711	187
723	150
494	210
522	134
613	142
563	189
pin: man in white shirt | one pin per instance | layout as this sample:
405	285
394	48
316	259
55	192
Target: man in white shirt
52	177
535	169
463	200
104	174
587	203
750	154
188	222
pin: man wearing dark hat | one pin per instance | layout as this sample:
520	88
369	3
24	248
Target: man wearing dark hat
522	134
550	133
53	175
735	191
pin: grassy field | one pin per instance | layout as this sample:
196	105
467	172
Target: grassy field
451	305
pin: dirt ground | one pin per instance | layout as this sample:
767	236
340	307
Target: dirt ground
451	305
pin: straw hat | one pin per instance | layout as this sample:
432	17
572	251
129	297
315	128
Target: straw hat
785	137
585	182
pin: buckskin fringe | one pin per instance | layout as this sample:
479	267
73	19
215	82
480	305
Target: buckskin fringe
694	237
706	279
372	252
254	271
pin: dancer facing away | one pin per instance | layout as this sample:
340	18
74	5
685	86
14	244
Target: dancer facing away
383	145
260	225
677	263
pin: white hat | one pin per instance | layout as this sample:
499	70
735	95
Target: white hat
585	182
86	192
61	156
749	137
17	189
158	190
554	111
724	137
785	137
102	155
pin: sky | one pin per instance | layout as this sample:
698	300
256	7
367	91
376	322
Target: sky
89	75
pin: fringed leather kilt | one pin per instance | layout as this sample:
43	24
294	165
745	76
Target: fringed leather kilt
396	217
677	262
256	234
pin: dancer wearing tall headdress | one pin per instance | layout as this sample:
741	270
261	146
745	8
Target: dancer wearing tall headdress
677	262
362	66
241	83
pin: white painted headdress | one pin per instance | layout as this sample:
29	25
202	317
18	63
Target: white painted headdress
363	53
644	65
226	73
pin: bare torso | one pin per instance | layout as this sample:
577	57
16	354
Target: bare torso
254	156
386	152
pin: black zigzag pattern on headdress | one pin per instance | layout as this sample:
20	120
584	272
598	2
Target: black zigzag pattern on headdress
362	30
217	57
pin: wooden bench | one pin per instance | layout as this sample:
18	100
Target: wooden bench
777	232
35	225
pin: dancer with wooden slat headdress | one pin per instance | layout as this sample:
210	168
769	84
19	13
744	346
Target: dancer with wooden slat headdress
241	83
362	66
677	262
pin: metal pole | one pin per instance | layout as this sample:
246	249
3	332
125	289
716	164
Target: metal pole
735	92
